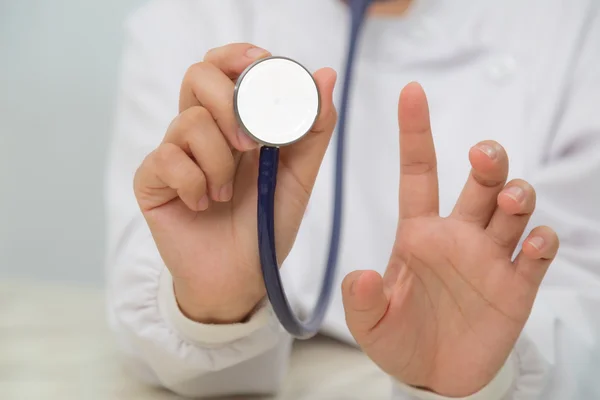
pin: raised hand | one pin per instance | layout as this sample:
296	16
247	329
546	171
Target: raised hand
452	303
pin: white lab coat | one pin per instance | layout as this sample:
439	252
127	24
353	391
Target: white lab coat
524	73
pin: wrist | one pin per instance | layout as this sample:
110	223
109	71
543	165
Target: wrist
216	311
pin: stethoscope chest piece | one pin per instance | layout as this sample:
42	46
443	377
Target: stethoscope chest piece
276	101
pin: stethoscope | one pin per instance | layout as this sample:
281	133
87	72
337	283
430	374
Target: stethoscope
276	102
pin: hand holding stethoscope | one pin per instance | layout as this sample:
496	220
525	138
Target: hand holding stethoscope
209	243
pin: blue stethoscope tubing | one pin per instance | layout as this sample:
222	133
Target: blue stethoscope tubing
267	180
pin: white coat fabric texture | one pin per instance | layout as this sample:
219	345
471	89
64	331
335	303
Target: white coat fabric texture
524	73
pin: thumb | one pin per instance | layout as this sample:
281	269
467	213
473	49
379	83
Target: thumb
365	302
304	157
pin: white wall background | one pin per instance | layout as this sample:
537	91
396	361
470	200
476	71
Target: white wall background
58	70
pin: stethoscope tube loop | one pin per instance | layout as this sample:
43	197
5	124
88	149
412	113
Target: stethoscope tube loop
267	182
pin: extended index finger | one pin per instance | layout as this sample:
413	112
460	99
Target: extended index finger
418	165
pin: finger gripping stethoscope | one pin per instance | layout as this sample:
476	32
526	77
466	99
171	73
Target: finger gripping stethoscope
277	102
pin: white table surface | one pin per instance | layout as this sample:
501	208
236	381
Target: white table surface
55	345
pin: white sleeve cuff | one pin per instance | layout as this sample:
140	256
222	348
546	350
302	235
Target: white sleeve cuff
497	389
206	334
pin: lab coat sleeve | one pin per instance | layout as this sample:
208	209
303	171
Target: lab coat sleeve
558	354
158	343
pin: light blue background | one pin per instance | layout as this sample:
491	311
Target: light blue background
58	70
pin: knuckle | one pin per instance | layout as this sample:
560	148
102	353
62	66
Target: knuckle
200	189
222	168
487	181
189	74
225	161
195	178
225	171
417	167
189	177
196	70
146	163
211	53
165	154
193	117
137	177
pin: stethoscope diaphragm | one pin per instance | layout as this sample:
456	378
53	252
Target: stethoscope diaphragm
276	101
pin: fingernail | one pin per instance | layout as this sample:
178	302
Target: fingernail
246	143
490	151
353	284
226	192
515	193
537	242
203	203
255	52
